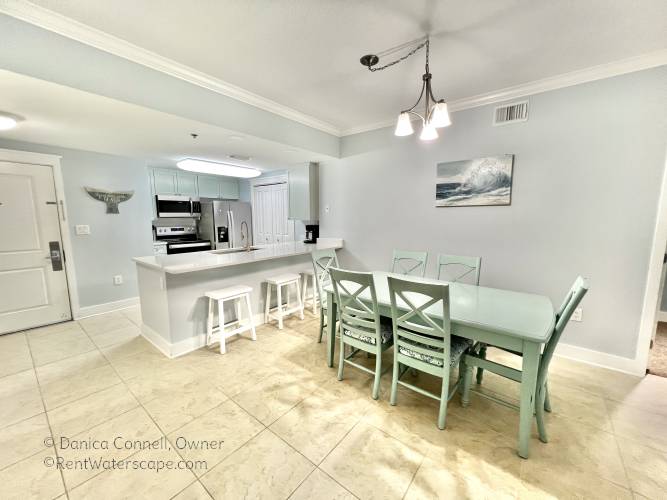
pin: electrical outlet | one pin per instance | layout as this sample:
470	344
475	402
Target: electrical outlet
82	229
576	315
326	209
118	279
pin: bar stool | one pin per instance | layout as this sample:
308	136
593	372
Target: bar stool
313	299
278	313
237	294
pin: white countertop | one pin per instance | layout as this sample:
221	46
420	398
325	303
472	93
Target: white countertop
200	261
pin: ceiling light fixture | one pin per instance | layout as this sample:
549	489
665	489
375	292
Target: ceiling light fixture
7	121
216	168
436	114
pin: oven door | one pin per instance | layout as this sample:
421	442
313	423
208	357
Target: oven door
173	206
188	246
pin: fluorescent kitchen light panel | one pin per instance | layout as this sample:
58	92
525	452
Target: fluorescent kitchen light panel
215	168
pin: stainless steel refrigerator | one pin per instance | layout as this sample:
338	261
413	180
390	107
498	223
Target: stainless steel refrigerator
221	223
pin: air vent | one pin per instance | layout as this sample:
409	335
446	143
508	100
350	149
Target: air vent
510	113
239	157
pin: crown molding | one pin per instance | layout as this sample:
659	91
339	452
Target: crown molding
600	72
70	28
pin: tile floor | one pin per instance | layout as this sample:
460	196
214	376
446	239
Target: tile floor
270	420
657	363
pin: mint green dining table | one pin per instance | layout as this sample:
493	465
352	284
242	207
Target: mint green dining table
520	322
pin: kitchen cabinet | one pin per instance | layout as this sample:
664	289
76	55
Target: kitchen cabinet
304	192
187	184
164	181
172	181
209	186
229	188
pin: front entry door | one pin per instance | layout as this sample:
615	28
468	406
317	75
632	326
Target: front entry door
33	285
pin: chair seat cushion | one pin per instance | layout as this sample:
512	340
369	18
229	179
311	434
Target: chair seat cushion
458	346
386	332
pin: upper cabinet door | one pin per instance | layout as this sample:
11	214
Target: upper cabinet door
209	187
303	183
187	184
165	181
229	188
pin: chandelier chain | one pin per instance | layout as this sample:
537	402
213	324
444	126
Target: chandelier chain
425	43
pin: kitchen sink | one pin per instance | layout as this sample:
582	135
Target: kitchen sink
234	250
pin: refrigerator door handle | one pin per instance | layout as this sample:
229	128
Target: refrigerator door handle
232	230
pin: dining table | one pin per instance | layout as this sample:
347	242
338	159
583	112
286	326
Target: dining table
515	321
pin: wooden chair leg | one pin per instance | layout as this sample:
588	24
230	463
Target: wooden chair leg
298	298
209	322
394	380
341	362
319	339
280	307
312	287
221	315
539	413
378	373
480	371
444	397
547	401
267	306
250	317
467	382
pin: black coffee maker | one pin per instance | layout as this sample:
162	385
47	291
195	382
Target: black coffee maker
312	233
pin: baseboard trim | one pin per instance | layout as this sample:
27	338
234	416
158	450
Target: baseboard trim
107	307
597	358
156	339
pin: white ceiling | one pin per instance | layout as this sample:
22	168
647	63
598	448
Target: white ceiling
304	53
67	117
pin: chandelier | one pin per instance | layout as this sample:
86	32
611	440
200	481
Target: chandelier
436	114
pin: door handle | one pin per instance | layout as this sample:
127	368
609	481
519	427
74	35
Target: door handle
55	256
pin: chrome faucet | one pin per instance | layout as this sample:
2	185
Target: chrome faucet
247	236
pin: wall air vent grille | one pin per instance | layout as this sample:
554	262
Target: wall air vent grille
510	113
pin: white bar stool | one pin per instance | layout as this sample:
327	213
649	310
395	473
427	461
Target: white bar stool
313	299
278	313
236	293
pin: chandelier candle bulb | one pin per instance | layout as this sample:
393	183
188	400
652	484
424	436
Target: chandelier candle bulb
403	125
428	132
440	115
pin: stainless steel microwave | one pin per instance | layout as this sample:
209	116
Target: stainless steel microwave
177	206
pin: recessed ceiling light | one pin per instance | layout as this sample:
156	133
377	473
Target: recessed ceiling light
7	121
216	168
240	157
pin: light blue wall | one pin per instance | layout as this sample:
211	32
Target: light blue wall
587	173
36	52
114	239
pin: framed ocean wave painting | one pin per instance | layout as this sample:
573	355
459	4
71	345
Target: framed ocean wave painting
473	183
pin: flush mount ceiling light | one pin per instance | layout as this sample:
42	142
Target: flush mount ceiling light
215	168
8	121
436	114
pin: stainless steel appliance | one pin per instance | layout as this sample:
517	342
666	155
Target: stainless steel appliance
312	233
181	239
177	206
221	222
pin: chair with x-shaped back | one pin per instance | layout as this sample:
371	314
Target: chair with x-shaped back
409	263
322	261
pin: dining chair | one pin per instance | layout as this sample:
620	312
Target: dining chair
322	261
423	341
542	403
459	268
360	324
409	263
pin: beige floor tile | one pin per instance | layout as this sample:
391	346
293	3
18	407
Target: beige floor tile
134	346
43	331
133	314
110	437
101	323
19	397
116	336
317	424
266	456
319	485
31	478
193	492
146	363
641	425
165	384
226	427
23	439
140	482
68	389
372	464
184	404
82	414
59	345
276	394
650	393
575	446
69	367
647	468
14	354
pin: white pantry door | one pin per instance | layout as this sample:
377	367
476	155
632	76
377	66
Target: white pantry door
33	285
270	204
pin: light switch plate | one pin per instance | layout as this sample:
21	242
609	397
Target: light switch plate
118	279
82	229
577	314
